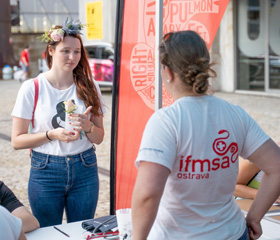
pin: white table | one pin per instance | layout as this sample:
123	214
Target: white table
270	225
74	230
271	230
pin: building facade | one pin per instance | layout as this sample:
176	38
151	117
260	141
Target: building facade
247	48
37	16
100	15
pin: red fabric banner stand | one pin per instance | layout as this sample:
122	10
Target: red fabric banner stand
136	95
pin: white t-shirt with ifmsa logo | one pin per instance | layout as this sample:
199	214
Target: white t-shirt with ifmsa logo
199	140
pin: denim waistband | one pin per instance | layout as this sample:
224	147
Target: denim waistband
245	235
56	158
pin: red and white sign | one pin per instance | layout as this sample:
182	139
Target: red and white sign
137	73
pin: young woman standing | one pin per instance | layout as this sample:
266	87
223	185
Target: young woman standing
63	162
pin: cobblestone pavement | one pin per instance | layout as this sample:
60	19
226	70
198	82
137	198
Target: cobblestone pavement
15	165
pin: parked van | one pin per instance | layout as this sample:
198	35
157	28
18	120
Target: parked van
101	61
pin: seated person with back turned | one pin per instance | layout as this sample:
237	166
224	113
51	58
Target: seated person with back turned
10	226
14	206
248	180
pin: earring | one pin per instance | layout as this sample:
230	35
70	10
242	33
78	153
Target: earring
168	80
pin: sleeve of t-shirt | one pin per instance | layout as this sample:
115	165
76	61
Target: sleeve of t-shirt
254	135
158	143
100	97
10	227
23	55
8	198
24	105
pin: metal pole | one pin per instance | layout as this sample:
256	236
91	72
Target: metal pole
158	81
266	54
115	104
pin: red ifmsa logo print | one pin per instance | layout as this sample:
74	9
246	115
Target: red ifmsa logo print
191	168
177	15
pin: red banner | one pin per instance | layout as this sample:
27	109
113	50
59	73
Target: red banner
136	96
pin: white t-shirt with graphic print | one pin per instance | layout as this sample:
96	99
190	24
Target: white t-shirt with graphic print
50	113
199	140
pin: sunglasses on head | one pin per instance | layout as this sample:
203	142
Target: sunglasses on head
166	36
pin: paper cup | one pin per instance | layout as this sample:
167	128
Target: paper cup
124	223
68	126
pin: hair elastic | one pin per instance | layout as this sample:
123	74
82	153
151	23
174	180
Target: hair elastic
48	136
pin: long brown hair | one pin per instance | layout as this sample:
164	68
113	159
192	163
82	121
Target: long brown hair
86	89
186	53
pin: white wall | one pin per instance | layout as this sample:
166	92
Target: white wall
226	51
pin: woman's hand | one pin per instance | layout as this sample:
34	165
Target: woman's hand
255	229
21	139
81	122
63	135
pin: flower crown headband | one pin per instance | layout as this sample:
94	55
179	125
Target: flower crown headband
56	34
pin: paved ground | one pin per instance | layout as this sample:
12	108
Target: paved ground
15	165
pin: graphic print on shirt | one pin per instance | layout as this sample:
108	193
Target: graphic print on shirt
58	120
193	168
220	146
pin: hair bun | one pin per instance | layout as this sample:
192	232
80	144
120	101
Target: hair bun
186	54
201	83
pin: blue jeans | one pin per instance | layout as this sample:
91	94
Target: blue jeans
245	235
57	183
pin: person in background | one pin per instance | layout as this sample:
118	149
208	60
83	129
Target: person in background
24	62
248	180
14	206
10	226
64	172
188	157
